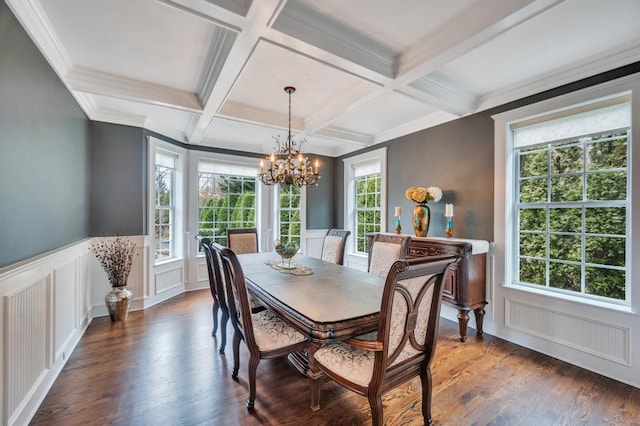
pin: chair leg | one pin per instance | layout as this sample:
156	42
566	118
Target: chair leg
425	378
314	376
375	401
214	312
253	368
236	354
223	328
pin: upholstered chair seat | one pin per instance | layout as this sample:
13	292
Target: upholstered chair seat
403	345
271	332
350	363
265	334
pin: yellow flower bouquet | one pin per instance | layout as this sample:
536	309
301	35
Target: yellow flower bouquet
421	195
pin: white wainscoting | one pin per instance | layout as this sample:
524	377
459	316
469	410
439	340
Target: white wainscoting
589	335
45	310
48	301
312	240
596	337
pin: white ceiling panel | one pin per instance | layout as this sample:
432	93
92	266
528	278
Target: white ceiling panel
559	39
271	68
391	110
212	72
142	39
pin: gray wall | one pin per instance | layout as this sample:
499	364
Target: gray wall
458	158
455	156
118	180
44	152
52	158
320	199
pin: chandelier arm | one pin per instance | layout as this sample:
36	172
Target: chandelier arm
289	166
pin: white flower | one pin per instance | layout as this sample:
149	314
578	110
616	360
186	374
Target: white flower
435	194
419	194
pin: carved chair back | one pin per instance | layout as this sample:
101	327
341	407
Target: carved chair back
384	250
217	288
405	342
265	335
242	240
333	245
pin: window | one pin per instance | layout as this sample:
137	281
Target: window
226	199
365	201
571	200
164	195
367	208
290	212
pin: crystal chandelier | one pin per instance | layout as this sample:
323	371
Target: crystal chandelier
288	166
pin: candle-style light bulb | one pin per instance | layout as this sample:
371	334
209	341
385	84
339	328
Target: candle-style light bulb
261	166
316	170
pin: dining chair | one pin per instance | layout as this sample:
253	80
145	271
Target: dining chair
405	341
264	333
333	245
216	285
384	250
242	240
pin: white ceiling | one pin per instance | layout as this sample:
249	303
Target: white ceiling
212	72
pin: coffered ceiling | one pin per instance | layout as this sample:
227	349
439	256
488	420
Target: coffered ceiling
212	72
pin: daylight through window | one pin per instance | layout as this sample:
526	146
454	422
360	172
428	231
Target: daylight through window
571	201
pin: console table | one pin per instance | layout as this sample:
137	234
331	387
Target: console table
465	288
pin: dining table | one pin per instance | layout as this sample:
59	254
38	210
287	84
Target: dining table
325	301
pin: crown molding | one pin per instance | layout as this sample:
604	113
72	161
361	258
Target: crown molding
431	120
243	113
37	25
309	25
99	83
577	71
117	117
358	97
453	101
165	130
233	145
352	138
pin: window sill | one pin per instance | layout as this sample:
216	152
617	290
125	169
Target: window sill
618	307
165	262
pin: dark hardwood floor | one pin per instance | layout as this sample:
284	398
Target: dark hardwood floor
162	367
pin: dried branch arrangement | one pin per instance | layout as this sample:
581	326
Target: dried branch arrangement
116	257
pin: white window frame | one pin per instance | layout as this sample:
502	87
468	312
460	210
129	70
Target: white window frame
303	215
177	231
350	165
263	195
505	181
